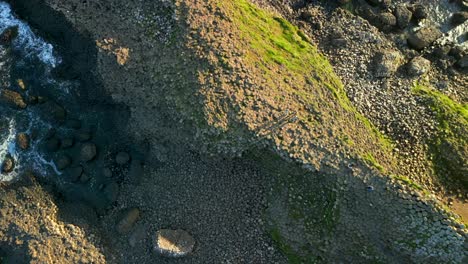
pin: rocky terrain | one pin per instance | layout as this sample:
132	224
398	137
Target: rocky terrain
263	131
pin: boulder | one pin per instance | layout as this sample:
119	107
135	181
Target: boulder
424	37
135	172
122	158
23	141
387	62
8	165
67	142
128	220
83	136
63	162
8	35
418	66
403	16
88	152
52	144
12	98
53	112
387	19
459	18
419	12
75	173
173	243
463	62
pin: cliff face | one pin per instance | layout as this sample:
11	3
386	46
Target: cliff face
227	78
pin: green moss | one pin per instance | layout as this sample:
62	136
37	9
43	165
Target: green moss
409	182
371	161
449	148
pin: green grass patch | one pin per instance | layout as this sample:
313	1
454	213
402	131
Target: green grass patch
371	161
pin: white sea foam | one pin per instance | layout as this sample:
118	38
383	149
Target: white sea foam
8	146
27	41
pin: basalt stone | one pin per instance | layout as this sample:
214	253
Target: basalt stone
107	172
419	12
111	192
8	35
459	18
63	162
8	165
67	143
50	133
122	158
74	173
457	52
88	152
83	136
12	99
386	62
424	37
73	123
53	112
128	220
52	144
403	16
23	141
463	62
135	173
418	66
84	178
173	243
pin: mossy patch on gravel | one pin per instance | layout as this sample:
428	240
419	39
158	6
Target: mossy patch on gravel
449	147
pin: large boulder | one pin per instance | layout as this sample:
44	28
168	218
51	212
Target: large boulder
173	243
418	66
403	16
386	63
424	37
459	18
12	98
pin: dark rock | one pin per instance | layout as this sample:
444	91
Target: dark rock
50	133
111	191
73	123
52	144
75	173
457	52
23	141
463	62
424	37
33	100
386	62
418	66
386	20
8	165
441	52
67	143
403	16
107	172
374	2
8	35
135	172
307	15
419	12
122	158
459	18
12	98
83	136
84	178
343	2
173	243
53	111
88	152
128	220
63	162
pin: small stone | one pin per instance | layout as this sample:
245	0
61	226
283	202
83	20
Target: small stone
122	158
88	152
424	37
75	173
67	143
459	18
173	243
403	16
107	172
387	62
418	66
63	162
84	178
12	98
8	165
83	136
21	84
128	220
23	141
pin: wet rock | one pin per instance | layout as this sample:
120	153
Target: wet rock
12	98
128	220
457	52
107	172
387	20
52	144
419	12
173	243
67	143
50	133
403	16
75	173
84	178
83	136
88	152
424	37
8	165
343	2
53	111
111	191
387	62
8	35
32	100
73	123
418	66
463	62
459	18
23	141
63	162
135	172
122	158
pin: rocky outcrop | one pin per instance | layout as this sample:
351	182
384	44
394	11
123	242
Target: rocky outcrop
173	243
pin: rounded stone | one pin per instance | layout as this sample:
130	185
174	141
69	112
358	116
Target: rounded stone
63	162
8	165
424	37
418	66
173	243
128	220
53	144
122	158
88	152
23	141
67	143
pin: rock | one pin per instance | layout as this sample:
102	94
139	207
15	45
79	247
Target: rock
173	243
83	136
111	191
374	2
107	173
419	12
459	18
457	52
387	19
307	15
84	178
8	165
463	62
23	141
52	145
12	98
418	66
75	173
122	158
424	37
88	152
403	16
8	35
67	143
135	172
53	111
50	133
127	221
387	62
343	2
63	162
73	123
